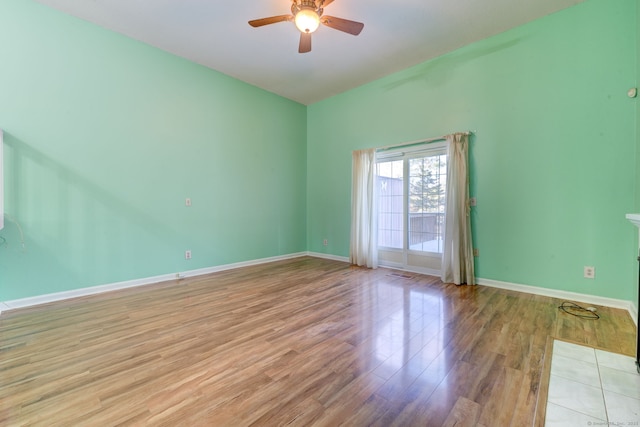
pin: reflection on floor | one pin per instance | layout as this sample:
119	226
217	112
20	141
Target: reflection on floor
306	341
590	387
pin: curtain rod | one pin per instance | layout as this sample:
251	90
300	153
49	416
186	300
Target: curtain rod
421	141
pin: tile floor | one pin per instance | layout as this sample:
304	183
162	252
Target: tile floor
590	387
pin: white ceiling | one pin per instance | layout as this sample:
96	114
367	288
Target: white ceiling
397	34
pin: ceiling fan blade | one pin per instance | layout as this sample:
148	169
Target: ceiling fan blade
351	27
305	43
270	20
326	3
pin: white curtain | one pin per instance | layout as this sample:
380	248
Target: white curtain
364	228
457	256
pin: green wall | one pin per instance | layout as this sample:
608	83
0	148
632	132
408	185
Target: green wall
637	209
553	163
638	107
105	137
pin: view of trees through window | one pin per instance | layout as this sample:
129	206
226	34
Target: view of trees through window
423	180
427	189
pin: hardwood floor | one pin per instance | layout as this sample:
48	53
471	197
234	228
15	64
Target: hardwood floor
301	342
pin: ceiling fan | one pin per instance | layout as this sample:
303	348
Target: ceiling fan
307	15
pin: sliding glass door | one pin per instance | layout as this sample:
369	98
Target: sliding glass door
411	206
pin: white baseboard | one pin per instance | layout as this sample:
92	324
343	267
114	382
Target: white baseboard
564	295
208	270
74	293
93	290
328	256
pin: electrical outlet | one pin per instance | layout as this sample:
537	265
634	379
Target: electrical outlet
589	272
187	202
476	252
325	242
187	254
473	201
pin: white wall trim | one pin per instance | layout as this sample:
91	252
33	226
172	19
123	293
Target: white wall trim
75	293
215	269
565	295
93	290
328	256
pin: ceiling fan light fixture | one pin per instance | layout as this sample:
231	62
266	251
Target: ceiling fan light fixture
308	15
307	20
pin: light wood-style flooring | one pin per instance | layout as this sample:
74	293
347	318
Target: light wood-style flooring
299	342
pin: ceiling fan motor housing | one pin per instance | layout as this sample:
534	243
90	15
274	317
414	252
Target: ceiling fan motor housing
298	5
